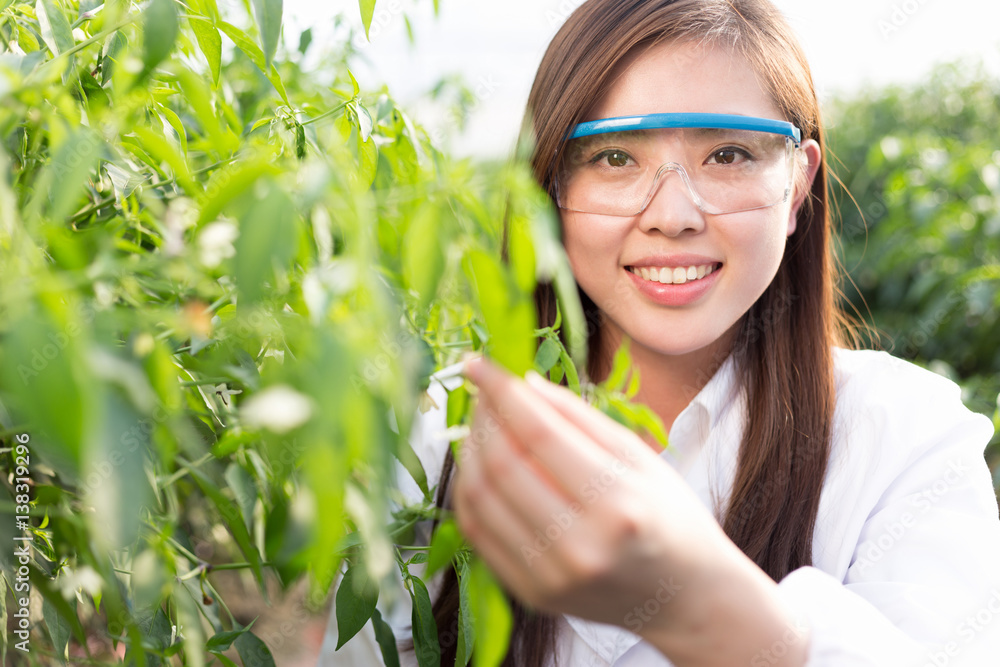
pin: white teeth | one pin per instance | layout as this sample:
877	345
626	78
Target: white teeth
674	275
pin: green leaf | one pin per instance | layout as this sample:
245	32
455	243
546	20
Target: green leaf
466	618
97	97
41	583
3	617
522	256
221	641
159	32
509	315
198	96
386	640
267	242
58	630
64	179
253	651
230	183
55	29
268	13
458	404
425	637
368	161
423	253
115	46
256	56
547	355
305	39
233	518
411	462
355	602
210	43
619	367
444	544
572	377
491	611
175	122
367	12
157	147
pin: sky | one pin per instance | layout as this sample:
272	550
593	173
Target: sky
497	45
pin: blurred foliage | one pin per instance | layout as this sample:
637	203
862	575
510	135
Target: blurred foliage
225	282
921	240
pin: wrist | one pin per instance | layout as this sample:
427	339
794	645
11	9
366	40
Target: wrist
732	615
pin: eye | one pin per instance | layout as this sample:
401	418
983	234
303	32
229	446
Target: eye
611	158
728	155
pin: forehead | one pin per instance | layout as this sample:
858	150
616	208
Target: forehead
684	77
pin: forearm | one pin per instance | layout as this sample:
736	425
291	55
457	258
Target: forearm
732	618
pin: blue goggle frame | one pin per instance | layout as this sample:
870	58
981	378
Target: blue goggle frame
654	121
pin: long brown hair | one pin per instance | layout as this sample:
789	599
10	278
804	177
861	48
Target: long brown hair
783	351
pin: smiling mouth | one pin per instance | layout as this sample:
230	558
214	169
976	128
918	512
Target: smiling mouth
674	275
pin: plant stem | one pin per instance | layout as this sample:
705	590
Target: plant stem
186	470
326	114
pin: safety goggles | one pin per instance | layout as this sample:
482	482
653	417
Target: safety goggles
728	163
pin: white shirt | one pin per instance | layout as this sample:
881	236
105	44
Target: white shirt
906	548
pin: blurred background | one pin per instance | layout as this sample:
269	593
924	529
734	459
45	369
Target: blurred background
494	48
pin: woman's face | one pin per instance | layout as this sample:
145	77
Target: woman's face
744	248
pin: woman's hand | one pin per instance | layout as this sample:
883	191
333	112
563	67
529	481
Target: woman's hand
577	515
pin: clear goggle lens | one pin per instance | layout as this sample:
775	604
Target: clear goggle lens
724	170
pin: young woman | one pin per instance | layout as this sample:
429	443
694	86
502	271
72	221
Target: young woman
818	506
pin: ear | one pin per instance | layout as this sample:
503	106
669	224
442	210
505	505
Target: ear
811	152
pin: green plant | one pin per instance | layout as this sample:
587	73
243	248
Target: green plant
219	274
921	240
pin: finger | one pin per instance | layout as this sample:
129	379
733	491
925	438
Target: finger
527	488
564	451
499	534
617	439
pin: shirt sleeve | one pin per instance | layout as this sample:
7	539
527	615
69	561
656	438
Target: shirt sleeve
923	585
394	604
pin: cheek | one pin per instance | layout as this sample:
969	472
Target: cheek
760	242
593	249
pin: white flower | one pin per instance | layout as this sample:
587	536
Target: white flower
278	408
216	242
84	578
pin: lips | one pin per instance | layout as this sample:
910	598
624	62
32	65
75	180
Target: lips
671	293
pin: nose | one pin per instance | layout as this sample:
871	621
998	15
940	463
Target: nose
670	206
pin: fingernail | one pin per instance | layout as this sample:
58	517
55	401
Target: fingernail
534	379
472	366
